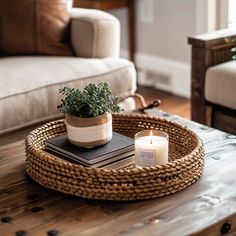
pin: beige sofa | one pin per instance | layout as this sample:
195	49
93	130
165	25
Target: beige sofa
29	84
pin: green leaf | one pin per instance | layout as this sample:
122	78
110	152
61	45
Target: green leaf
93	101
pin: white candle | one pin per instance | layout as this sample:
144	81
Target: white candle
151	148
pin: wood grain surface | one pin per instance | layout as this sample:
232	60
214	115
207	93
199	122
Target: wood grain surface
208	207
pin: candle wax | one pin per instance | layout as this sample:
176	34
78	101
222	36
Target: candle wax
151	150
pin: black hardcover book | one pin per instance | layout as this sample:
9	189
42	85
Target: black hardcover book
118	147
107	163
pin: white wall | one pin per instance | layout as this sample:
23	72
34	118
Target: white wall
162	53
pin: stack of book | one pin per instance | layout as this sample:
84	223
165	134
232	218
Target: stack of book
118	152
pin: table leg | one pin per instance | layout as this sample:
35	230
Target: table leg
131	23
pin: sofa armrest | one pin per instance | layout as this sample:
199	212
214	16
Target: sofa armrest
207	50
94	33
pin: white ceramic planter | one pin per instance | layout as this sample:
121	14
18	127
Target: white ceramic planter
89	132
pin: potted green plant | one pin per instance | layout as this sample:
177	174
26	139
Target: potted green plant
88	114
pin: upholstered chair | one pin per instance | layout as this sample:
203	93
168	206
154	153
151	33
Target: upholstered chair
214	79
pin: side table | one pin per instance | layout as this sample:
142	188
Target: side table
109	5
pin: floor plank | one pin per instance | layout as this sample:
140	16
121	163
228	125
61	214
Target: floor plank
170	102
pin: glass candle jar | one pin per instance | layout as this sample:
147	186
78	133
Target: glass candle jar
151	148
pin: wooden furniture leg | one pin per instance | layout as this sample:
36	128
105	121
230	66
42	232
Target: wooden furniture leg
131	16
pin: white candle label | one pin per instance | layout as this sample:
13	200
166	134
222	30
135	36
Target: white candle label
146	156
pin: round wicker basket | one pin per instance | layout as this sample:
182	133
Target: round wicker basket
186	166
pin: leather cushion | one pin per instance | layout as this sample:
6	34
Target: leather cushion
34	27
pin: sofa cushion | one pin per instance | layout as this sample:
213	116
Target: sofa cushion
34	27
220	85
29	85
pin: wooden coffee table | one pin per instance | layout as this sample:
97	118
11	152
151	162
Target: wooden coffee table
208	207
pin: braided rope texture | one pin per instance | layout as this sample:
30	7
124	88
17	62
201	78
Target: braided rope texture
186	153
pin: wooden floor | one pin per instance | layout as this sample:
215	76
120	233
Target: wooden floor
170	103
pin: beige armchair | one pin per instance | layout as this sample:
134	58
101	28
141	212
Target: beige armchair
213	100
29	84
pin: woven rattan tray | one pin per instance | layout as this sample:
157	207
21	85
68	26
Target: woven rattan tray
186	165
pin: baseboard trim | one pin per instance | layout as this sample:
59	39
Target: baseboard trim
176	74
